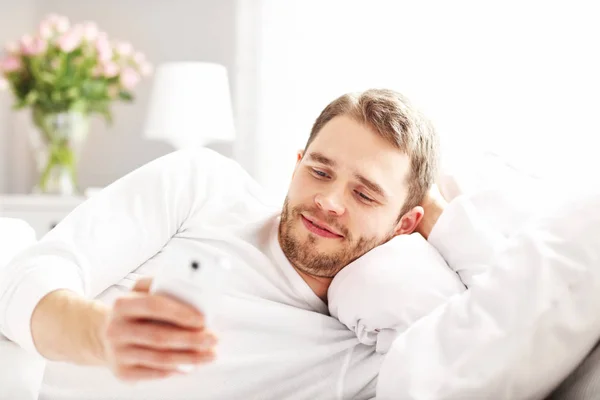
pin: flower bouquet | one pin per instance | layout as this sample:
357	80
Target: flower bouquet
65	73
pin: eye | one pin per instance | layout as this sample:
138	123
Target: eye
364	197
319	174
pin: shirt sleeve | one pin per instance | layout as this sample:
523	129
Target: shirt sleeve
529	317
466	238
106	237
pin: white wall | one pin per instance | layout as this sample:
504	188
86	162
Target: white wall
166	30
248	29
518	77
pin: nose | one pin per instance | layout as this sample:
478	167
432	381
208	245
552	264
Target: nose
330	203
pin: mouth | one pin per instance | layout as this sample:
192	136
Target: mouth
319	228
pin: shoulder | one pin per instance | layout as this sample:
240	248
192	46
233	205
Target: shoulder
223	179
198	157
198	165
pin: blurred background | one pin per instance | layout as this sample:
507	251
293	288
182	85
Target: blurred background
516	81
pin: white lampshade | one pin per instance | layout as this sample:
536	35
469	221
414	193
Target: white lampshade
190	105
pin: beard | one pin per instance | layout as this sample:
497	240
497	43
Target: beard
303	254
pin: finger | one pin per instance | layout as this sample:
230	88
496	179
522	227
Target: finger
139	372
159	336
164	360
143	285
159	308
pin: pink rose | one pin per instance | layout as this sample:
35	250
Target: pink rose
10	64
102	38
124	48
25	43
46	30
110	70
56	22
105	54
129	78
61	24
146	69
70	40
103	47
32	46
36	47
12	47
139	58
90	31
52	19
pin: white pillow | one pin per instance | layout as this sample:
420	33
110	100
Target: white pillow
21	372
379	295
15	235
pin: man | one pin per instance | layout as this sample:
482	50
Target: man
369	162
529	317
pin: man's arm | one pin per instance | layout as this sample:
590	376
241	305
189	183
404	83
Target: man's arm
469	230
98	244
433	207
122	337
74	336
528	318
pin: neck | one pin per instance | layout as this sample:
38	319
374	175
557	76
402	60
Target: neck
318	284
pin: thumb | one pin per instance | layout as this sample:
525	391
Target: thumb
143	285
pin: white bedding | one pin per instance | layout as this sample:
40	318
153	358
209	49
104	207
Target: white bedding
533	344
21	372
531	313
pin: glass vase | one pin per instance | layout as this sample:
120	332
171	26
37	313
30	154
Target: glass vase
56	141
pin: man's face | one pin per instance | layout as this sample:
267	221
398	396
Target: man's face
344	199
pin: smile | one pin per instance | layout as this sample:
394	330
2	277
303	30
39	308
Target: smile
319	230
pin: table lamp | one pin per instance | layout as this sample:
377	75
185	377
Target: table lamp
190	105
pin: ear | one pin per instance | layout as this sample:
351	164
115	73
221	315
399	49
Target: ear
299	156
409	221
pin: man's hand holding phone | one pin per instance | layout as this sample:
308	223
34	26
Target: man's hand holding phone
151	336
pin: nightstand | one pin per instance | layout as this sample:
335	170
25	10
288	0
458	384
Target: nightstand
42	212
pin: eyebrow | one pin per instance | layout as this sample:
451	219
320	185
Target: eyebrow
370	185
320	158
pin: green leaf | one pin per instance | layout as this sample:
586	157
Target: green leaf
56	96
31	98
47	77
107	116
73	92
126	96
79	105
19	104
